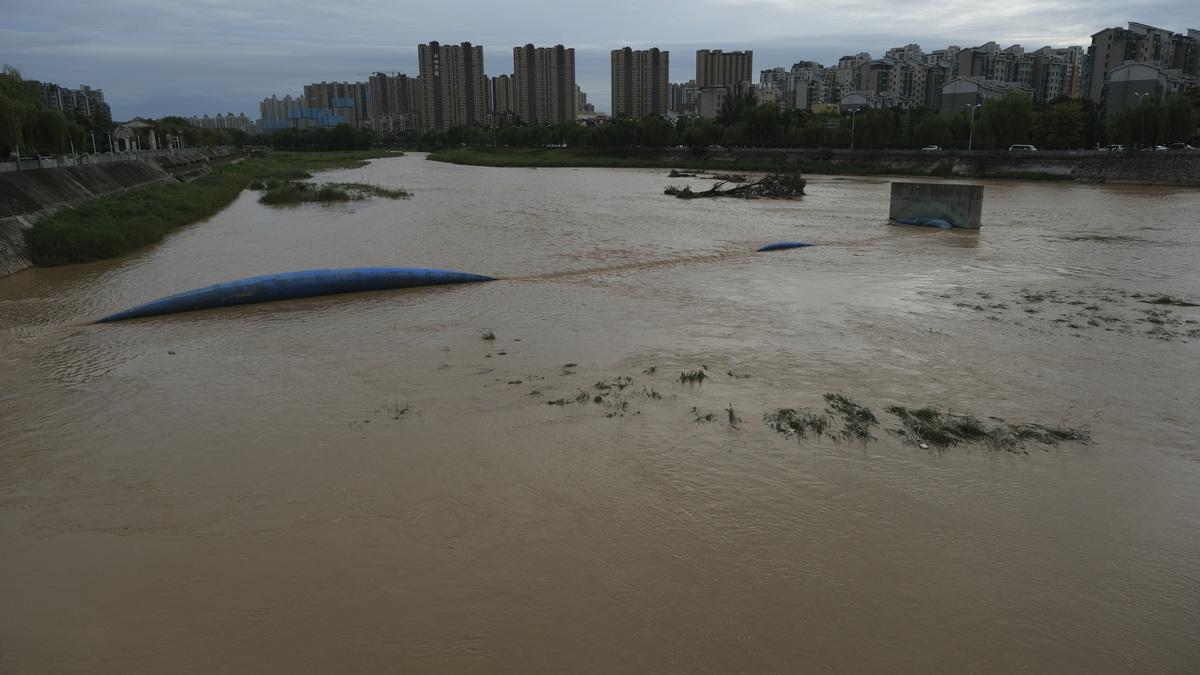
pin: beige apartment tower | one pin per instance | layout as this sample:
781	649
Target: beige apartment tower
453	86
543	84
502	94
640	82
395	102
715	68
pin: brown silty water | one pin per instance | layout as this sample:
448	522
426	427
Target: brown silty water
360	483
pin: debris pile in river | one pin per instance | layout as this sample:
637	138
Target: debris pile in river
772	186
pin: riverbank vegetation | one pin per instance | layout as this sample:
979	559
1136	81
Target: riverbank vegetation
121	223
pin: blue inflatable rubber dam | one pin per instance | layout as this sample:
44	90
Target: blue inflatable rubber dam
289	285
781	245
939	223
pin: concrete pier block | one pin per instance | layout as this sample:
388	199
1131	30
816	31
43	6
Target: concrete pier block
957	204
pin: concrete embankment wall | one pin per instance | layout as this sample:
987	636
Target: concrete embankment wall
1153	168
28	195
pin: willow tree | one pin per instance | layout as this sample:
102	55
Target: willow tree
1006	120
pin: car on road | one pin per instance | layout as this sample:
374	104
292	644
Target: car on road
1180	146
1159	148
1112	147
932	148
1021	148
715	148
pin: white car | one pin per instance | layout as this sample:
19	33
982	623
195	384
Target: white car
932	148
1021	148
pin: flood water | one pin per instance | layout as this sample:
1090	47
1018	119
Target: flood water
361	483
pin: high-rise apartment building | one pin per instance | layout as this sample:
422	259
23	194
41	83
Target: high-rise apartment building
1139	43
239	122
715	68
279	113
640	82
544	84
502	94
345	101
394	103
453	86
83	101
685	98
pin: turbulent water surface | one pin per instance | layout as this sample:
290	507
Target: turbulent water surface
361	483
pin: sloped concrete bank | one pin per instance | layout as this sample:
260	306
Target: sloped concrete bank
28	196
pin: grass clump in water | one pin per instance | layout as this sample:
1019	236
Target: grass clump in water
693	377
1168	300
857	419
733	418
799	423
296	192
930	426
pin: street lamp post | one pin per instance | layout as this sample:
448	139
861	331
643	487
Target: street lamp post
1141	115
971	134
853	118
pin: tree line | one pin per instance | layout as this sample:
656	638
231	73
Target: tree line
28	124
31	126
1062	124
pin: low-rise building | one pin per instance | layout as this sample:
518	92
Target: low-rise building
1130	84
963	92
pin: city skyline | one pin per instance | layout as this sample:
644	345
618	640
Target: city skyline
215	56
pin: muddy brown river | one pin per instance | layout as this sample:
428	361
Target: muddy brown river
360	483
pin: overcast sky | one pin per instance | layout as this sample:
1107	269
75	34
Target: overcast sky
159	57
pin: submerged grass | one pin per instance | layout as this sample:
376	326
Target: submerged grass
121	223
857	419
925	427
930	426
800	423
1169	300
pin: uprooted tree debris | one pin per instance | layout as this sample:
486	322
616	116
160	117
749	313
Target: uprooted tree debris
773	186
